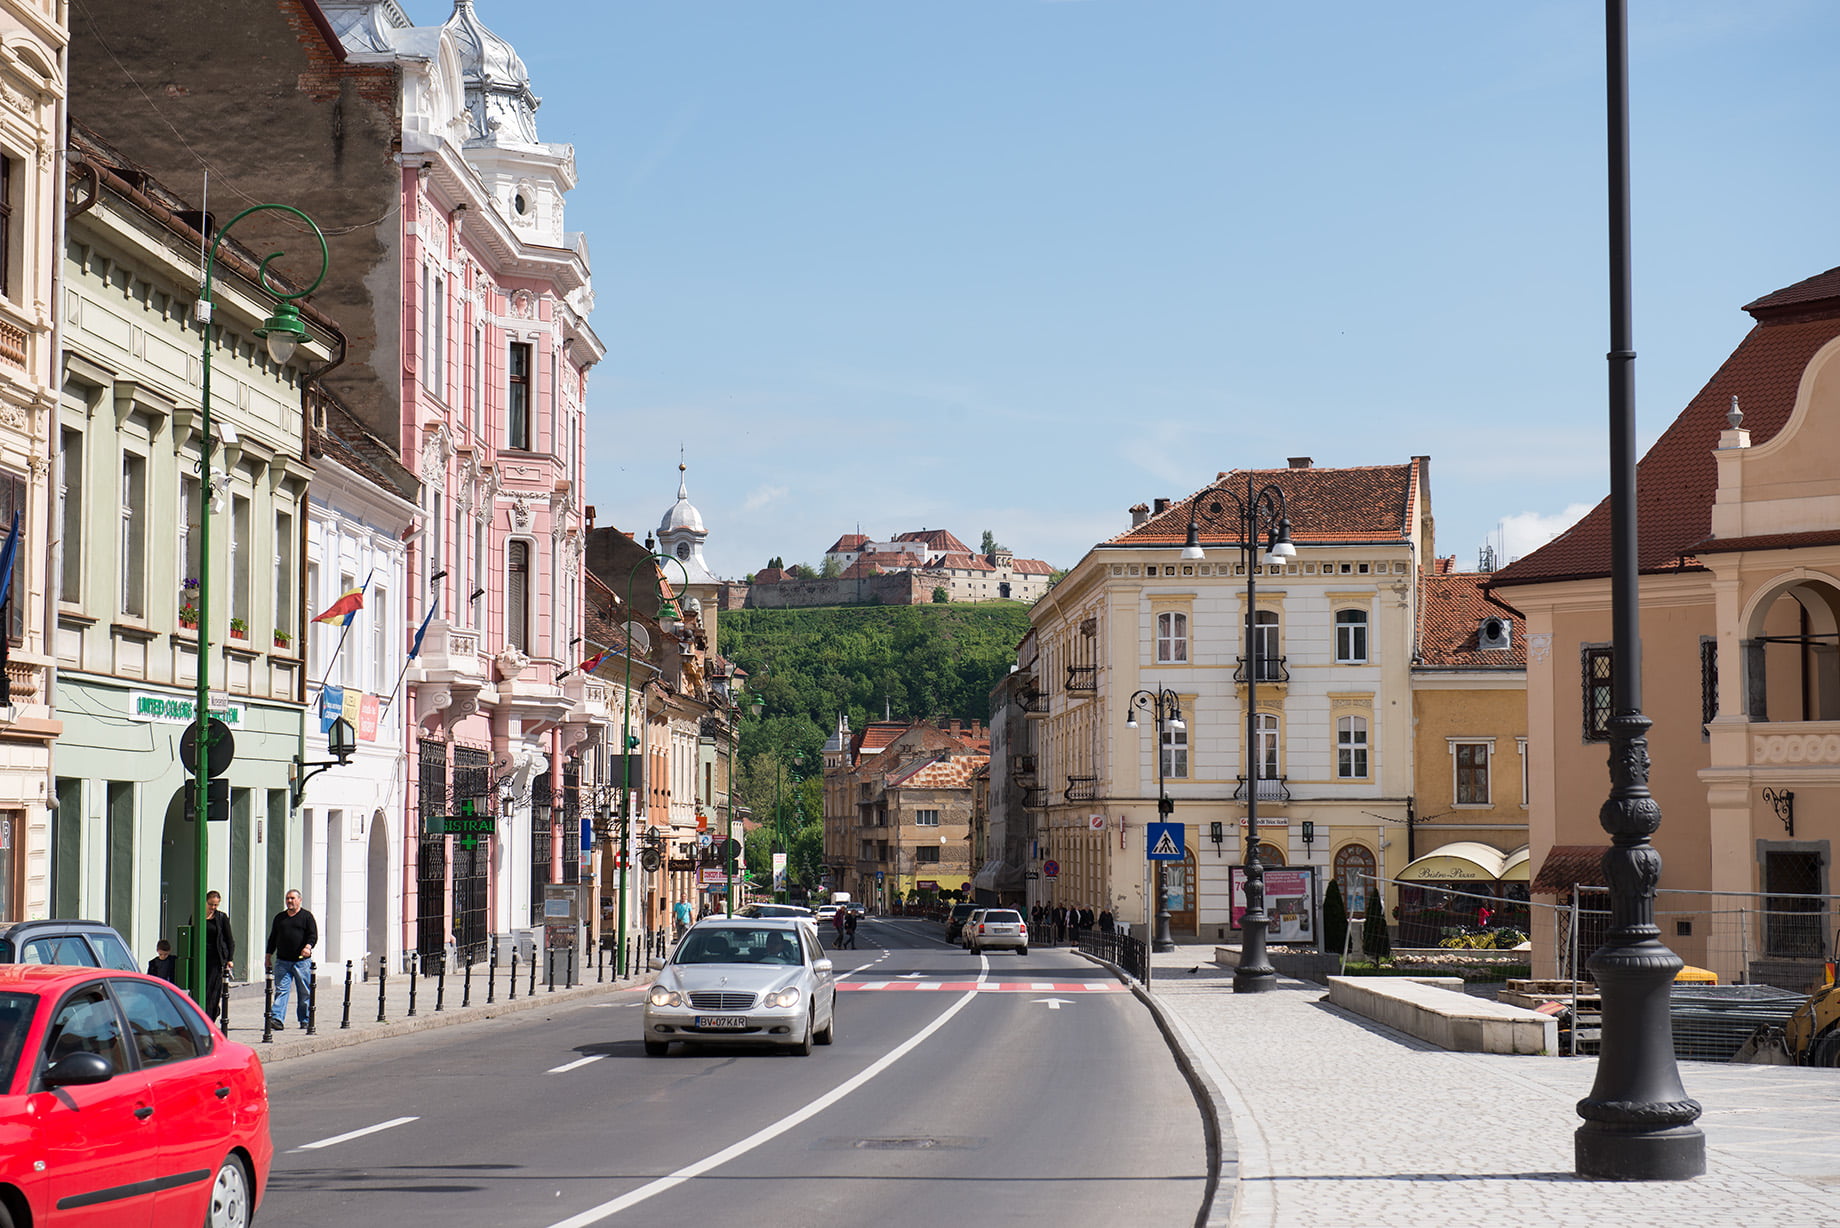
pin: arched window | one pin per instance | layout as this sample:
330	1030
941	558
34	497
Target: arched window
1171	638
1351	637
1354	864
1351	748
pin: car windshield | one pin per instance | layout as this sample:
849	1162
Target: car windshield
735	945
15	1020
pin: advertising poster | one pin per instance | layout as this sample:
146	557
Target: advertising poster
367	719
1290	902
779	872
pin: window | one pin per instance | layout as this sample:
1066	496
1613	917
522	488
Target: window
926	854
239	559
1266	659
133	535
188	527
1265	746
162	1029
1708	680
479	379
347	661
517	397
13	500
1472	769
436	557
285	585
1171	638
379	603
70	515
1598	672
926	818
479	572
1173	746
1351	637
6	228
517	595
1520	744
434	332
1351	748
1354	870
87	1023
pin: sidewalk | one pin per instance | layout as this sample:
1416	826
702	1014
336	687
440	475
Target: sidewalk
293	1041
1329	1118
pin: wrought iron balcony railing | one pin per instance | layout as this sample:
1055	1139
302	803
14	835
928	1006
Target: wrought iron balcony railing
1267	669
1035	798
1271	789
1083	679
1022	769
1034	703
1082	788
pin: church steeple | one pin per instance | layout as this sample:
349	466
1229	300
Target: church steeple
681	533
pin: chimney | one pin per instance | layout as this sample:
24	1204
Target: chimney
1139	514
1300	462
1160	506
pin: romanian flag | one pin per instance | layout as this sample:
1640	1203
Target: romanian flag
345	608
593	663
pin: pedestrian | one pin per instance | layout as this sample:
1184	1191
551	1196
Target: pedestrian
1060	924
1086	920
680	913
1107	923
837	920
165	964
849	929
1483	913
291	939
219	951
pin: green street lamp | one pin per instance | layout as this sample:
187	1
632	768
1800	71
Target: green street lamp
667	623
282	333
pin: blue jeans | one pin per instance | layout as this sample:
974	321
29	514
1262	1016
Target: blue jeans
287	973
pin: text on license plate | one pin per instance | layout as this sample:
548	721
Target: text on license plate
720	1021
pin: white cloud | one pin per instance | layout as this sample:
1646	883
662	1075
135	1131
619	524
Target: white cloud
765	496
1524	532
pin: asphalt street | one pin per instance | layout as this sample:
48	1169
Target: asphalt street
961	1089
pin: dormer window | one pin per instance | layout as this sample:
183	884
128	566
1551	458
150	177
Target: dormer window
520	204
1495	634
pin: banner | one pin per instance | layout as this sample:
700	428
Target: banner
367	718
779	872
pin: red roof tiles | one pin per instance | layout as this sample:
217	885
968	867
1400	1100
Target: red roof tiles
935	539
1326	506
848	543
1451	611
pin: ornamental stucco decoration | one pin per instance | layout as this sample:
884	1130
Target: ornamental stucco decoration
488	497
437	450
511	663
520	513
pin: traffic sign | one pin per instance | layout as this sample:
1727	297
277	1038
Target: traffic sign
1051	868
1165	841
222	752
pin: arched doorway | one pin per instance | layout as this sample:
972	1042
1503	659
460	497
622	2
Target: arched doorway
1354	872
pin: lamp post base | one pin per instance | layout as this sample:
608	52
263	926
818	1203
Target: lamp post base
1254	973
1604	1152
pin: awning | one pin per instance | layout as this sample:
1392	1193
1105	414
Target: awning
1458	861
1515	868
998	875
1570	865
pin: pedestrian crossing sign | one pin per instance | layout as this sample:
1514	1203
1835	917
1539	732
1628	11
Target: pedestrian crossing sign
1165	841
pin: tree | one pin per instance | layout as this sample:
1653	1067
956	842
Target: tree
1376	942
940	596
1335	919
833	567
990	544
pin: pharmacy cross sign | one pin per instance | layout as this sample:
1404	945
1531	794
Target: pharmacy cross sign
467	828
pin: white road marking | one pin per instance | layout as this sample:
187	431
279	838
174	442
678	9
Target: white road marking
575	1065
346	1138
594	1215
1055	1004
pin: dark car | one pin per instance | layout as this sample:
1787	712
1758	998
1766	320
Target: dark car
955	924
82	944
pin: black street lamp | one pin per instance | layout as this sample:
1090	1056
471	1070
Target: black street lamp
1638	1120
1168	711
1261	511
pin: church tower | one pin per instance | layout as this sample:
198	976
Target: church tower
681	535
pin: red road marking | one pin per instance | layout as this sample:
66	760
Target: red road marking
990	986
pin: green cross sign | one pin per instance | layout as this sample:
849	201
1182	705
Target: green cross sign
468	828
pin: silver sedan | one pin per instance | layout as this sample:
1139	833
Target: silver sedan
759	980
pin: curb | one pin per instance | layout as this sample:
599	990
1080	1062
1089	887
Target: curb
1217	1201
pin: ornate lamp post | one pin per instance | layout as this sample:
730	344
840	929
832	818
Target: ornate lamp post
1638	1121
1168	713
282	332
1261	511
667	622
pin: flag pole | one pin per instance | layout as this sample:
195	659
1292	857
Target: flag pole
344	632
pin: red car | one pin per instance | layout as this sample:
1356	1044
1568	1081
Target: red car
121	1104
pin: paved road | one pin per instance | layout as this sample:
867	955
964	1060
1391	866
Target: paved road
956	1093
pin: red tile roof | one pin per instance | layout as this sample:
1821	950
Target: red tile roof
847	544
1451	610
769	575
956	560
1365	504
1030	567
1769	541
934	539
1678	478
1569	865
861	569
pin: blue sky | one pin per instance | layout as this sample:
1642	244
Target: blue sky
1018	264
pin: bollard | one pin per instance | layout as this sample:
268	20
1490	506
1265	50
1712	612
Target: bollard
268	1008
532	991
466	990
345	1019
313	999
415	970
549	970
600	962
513	995
440	985
223	1002
492	974
383	976
569	982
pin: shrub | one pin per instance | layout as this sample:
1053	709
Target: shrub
1335	919
1376	942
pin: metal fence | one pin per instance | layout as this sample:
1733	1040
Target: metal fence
1130	954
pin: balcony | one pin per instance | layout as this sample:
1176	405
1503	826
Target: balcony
1022	769
1082	679
1082	788
1032	702
1271	789
1264	669
1035	798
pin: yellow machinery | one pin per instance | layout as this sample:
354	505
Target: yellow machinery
1812	1035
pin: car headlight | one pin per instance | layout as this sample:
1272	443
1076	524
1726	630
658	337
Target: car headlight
660	996
788	996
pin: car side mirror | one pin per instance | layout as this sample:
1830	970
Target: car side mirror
77	1069
821	965
655	963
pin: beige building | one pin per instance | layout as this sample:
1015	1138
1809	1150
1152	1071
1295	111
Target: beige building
1739	506
898	809
1331	726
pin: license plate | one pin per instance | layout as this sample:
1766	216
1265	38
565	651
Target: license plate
720	1021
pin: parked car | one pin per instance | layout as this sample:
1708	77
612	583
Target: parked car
964	935
776	910
857	909
999	927
764	980
87	1055
955	922
826	912
88	944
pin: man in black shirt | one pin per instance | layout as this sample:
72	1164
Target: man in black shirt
291	939
219	950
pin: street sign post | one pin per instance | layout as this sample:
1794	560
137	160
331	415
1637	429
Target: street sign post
1165	841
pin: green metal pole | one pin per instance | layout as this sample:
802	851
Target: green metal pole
626	748
728	820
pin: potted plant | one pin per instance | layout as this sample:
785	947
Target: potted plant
239	628
283	638
188	603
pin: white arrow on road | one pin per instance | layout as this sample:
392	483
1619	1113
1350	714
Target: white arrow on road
1055	1004
908	976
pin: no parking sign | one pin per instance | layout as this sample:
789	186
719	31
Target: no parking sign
1051	868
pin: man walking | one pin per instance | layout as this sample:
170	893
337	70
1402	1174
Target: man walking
291	939
219	950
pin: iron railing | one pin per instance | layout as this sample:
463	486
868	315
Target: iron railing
1271	789
1130	954
1082	788
1267	669
1083	678
1033	703
1022	768
1034	798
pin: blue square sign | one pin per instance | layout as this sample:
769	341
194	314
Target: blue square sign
1165	841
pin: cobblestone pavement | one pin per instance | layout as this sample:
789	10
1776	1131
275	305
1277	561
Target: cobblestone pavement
1330	1119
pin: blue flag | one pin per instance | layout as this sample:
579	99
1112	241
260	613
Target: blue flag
331	707
415	645
8	554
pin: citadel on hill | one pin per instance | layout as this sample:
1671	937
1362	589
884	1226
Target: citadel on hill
906	569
